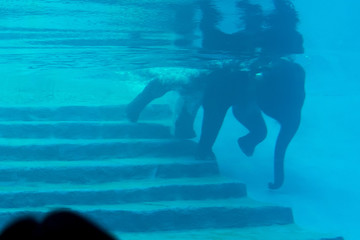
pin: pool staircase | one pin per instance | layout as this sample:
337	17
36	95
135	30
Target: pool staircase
134	179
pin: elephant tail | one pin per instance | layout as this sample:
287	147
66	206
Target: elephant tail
287	132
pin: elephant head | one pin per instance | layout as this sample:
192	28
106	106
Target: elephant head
280	95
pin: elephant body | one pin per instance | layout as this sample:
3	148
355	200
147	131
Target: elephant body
279	93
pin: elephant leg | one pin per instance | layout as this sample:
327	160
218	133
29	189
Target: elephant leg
250	116
219	95
287	132
212	121
184	124
153	90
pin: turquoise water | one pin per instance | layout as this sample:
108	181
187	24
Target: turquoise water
322	182
83	52
86	44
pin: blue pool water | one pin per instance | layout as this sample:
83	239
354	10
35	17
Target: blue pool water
85	52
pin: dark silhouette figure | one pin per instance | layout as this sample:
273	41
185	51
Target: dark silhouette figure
25	228
57	225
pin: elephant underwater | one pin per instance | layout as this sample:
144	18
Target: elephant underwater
275	89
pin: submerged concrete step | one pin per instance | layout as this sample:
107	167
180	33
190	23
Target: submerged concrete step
80	113
152	190
82	130
109	170
173	215
273	232
86	149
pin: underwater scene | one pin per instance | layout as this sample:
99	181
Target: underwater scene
179	119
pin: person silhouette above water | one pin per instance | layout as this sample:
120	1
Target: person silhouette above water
57	225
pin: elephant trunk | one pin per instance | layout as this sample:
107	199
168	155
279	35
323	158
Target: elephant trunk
287	132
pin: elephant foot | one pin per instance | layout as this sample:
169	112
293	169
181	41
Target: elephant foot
132	114
205	155
246	146
274	186
184	126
